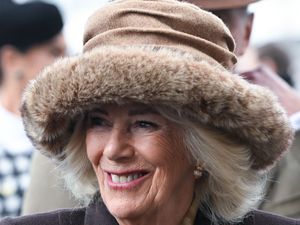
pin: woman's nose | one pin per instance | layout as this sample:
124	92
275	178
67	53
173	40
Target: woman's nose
118	145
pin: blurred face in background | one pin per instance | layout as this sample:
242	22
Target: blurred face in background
39	56
18	67
239	22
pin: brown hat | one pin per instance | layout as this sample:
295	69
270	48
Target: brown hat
221	4
156	52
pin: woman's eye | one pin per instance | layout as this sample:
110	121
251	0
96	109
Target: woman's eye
146	125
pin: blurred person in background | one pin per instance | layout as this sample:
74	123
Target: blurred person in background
30	39
283	193
276	58
49	194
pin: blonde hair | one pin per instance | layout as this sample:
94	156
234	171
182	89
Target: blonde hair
228	190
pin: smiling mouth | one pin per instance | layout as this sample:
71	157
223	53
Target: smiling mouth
126	178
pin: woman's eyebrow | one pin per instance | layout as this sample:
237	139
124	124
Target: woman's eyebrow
142	111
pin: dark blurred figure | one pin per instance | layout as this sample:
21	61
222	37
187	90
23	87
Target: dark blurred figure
283	193
30	39
277	59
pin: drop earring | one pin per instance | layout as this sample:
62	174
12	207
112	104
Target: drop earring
198	171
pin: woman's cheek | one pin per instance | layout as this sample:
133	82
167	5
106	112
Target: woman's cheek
93	147
155	148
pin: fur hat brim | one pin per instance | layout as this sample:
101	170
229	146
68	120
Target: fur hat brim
214	97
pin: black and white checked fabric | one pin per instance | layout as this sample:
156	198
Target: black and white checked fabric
15	157
14	180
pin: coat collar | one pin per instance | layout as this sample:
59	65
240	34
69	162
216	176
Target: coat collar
97	213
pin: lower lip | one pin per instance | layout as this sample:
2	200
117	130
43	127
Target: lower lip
126	185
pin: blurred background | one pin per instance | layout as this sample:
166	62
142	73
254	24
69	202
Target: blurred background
276	22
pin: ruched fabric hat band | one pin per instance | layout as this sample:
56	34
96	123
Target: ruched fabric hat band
160	23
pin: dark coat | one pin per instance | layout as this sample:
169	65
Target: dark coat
97	214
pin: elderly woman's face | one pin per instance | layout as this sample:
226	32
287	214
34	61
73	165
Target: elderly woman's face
140	161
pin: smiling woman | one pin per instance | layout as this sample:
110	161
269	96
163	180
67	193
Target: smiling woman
150	127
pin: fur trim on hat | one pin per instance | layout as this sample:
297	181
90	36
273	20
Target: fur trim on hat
211	94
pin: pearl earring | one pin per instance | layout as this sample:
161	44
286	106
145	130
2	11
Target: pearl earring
198	171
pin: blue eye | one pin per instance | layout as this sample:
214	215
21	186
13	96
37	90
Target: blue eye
146	125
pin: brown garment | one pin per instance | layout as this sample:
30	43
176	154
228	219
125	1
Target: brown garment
97	214
46	191
284	190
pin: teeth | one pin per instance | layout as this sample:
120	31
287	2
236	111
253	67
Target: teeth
123	179
115	178
129	178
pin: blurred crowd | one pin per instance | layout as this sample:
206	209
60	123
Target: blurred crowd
31	38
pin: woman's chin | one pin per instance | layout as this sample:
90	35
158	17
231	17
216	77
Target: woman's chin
125	212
